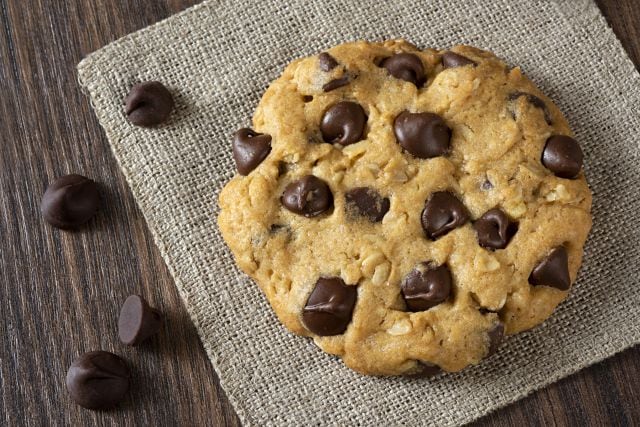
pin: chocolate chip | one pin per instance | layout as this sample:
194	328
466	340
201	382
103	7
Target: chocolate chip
536	102
327	62
343	123
307	98
276	228
496	334
442	213
335	84
424	135
367	202
494	229
426	370
249	149
137	321
453	60
426	286
329	307
148	104
70	201
405	66
308	196
562	156
487	185
98	380
553	270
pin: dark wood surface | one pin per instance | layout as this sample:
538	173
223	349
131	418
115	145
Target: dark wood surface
60	292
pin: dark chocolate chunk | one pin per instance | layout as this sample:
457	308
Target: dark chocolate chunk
405	66
453	60
343	123
329	307
148	104
442	213
426	370
98	380
553	270
496	334
307	98
536	102
249	149
426	286
308	196
495	229
327	62
70	201
335	84
424	135
137	321
562	155
367	202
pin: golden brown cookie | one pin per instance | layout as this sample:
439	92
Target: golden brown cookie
406	207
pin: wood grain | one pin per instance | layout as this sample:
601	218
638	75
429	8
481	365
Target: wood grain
61	292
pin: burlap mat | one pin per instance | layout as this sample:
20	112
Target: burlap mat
218	58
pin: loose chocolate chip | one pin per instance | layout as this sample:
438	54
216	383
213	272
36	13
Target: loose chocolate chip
98	380
442	213
553	270
343	123
137	321
536	102
562	156
329	307
70	201
453	60
249	149
148	104
494	229
335	84
367	202
496	334
405	66
426	286
424	135
327	62
308	196
426	370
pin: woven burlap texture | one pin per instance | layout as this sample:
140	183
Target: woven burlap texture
218	58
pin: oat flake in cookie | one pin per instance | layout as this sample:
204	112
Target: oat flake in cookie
410	218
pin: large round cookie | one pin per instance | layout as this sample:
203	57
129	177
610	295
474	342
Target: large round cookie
407	207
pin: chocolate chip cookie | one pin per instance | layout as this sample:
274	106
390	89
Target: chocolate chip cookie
407	208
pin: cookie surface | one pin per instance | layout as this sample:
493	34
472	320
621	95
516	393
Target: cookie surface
406	207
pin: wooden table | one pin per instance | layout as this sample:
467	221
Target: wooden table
61	292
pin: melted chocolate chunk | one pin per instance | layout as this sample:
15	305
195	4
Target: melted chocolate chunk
495	229
405	66
426	286
453	60
442	213
343	123
327	62
424	135
308	196
552	270
562	155
249	149
367	202
329	307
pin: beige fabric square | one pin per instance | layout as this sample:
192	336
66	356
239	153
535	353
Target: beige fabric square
218	58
